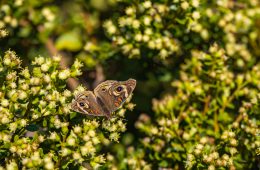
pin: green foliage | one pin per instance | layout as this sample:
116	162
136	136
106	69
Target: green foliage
197	97
166	28
36	23
37	127
211	117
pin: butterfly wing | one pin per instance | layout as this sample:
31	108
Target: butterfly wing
86	103
112	94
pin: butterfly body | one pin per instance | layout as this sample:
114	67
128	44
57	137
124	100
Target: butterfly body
106	98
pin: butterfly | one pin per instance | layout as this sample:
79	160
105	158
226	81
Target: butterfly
107	97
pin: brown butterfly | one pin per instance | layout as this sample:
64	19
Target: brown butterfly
107	98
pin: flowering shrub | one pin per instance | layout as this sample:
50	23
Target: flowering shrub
197	97
212	119
37	127
41	23
170	28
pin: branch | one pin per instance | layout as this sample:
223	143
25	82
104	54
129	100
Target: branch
99	75
72	82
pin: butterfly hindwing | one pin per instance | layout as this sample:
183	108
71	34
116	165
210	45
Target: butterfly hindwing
86	103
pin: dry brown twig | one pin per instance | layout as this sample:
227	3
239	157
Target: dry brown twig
72	83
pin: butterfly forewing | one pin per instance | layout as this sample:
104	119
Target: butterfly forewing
114	93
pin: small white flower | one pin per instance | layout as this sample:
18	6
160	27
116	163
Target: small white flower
76	155
135	52
147	20
7	18
41	138
77	64
47	78
18	3
6	138
146	38
199	146
91	133
95	140
14	22
45	67
233	142
49	165
147	4
163	53
151	44
195	3
185	5
53	136
196	15
7	61
35	81
5	103
64	74
5	120
24	86
231	134
215	155
225	157
136	24
39	60
111	28
138	37
211	167
23	122
86	138
203	140
13	126
130	11
67	93
22	95
65	151
13	149
11	166
71	141
77	129
232	150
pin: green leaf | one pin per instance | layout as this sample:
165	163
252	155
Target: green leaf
32	127
177	156
69	41
16	137
163	163
65	166
73	114
44	123
181	21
